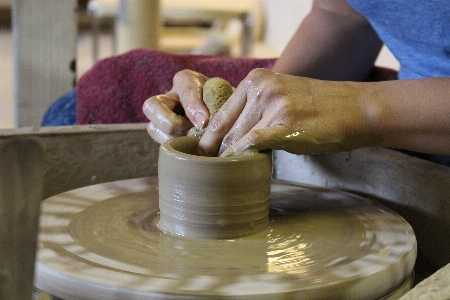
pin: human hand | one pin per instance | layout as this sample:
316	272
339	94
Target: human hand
300	115
174	113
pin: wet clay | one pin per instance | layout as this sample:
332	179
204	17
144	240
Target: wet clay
216	92
212	197
104	242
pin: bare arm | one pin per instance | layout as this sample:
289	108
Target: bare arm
271	110
333	42
410	114
303	116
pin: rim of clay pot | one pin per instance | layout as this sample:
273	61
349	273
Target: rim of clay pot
184	147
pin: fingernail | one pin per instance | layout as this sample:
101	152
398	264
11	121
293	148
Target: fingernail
200	120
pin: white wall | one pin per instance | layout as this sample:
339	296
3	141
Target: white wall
282	19
44	34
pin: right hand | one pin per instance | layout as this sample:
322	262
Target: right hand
300	115
174	113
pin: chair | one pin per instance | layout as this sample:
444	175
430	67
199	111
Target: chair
190	28
98	10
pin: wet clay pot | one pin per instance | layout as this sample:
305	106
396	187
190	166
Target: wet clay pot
212	197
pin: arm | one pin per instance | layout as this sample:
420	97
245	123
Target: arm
410	114
333	42
303	116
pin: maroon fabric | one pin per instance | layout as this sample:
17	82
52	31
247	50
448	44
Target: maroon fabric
114	90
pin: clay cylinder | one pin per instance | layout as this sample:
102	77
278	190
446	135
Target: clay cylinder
212	197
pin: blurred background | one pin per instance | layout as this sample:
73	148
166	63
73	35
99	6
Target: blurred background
45	45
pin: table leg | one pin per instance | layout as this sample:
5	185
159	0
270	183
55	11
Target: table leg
21	182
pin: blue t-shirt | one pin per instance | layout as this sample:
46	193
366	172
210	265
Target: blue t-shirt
417	32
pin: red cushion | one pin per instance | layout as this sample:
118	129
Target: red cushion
114	90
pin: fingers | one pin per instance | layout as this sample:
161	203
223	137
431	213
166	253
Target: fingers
160	111
267	111
164	122
174	113
256	139
284	138
265	134
222	123
240	113
188	85
157	134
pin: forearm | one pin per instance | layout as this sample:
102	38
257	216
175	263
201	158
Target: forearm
333	42
410	114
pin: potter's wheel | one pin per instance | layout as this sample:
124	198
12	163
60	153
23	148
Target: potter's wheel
103	242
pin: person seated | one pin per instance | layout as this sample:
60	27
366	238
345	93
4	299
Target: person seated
313	100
